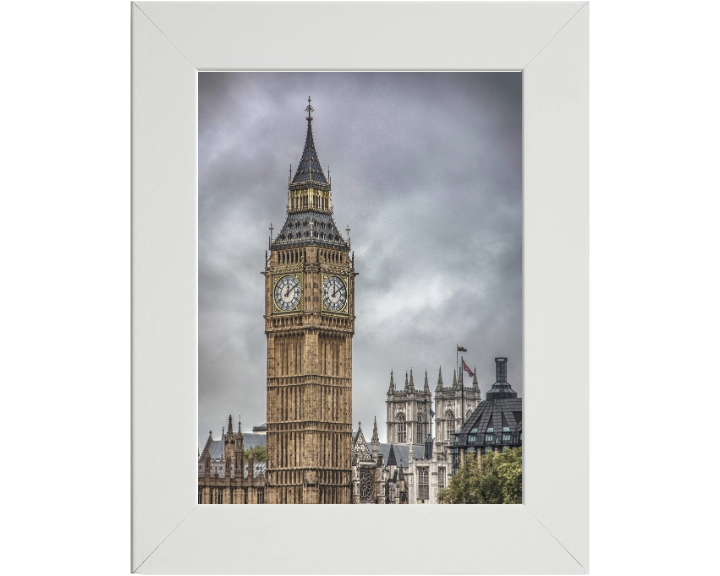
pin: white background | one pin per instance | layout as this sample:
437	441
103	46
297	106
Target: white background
66	286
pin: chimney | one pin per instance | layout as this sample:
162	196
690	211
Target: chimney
501	388
501	369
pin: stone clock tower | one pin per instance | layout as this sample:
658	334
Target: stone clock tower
309	323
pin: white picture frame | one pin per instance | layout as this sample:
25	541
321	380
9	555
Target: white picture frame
549	532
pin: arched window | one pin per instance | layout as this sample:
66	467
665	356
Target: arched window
419	436
423	484
401	436
449	424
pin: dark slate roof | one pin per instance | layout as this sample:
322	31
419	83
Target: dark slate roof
401	452
496	414
297	231
217	447
309	171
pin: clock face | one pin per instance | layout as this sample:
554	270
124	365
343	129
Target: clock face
287	293
334	294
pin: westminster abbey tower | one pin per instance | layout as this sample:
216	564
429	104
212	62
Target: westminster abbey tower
309	324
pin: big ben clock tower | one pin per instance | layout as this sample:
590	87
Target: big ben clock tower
309	324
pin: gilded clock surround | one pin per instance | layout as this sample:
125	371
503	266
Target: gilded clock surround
309	348
345	281
299	306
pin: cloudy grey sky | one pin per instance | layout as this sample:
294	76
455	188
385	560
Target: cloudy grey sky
426	171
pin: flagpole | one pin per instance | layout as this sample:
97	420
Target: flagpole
462	391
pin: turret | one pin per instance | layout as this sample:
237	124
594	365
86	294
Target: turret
402	489
440	381
406	381
427	386
206	465
455	382
375	441
251	466
239	451
412	384
428	447
391	390
475	384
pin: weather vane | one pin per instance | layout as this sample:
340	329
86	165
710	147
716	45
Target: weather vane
309	109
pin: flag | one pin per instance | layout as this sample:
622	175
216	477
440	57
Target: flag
432	414
461	348
467	369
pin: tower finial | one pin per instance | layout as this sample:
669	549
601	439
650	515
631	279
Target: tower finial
309	110
440	382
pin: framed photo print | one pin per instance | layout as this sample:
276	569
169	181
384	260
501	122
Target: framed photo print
360	256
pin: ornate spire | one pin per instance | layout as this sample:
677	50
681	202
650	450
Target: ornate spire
309	169
375	441
475	384
440	382
391	457
455	382
230	427
406	380
391	390
239	431
412	384
427	386
207	443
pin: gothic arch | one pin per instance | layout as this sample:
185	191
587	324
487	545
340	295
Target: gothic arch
401	429
449	424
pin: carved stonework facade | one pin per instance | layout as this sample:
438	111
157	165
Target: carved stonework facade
408	412
449	403
309	324
385	473
224	476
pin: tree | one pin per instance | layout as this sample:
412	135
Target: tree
495	479
260	453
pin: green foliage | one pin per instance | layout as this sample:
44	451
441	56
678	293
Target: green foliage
495	479
260	453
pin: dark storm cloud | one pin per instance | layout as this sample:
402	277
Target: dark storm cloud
426	170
